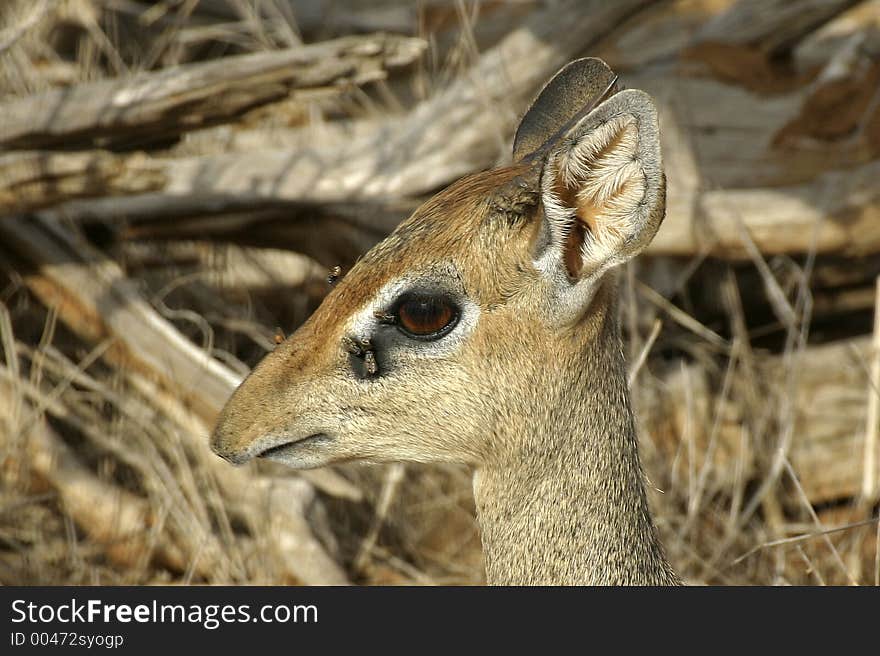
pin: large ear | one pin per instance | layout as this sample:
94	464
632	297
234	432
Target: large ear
603	192
572	93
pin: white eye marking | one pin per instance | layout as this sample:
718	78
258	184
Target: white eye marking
364	322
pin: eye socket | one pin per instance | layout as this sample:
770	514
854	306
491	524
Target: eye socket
426	317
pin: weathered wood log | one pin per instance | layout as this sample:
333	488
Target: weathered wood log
245	137
331	233
655	35
151	106
125	523
460	129
97	302
826	389
737	164
858	24
279	510
118	520
33	179
401	158
742	43
842	109
719	194
229	267
323	18
837	213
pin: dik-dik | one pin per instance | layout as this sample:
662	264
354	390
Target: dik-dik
484	330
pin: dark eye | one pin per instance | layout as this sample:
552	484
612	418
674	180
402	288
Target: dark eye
426	317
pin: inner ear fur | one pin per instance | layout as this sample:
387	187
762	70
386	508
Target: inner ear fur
603	187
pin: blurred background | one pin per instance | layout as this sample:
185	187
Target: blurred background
177	179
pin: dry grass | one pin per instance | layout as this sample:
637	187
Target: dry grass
730	510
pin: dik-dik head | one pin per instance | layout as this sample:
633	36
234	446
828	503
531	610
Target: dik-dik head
474	312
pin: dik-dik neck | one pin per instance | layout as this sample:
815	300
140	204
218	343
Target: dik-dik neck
570	507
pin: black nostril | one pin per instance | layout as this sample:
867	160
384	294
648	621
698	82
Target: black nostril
223	455
230	457
216	443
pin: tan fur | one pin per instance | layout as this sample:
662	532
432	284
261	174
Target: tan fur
528	391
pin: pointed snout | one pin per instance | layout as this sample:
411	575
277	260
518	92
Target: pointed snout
237	432
257	420
221	446
274	405
259	408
